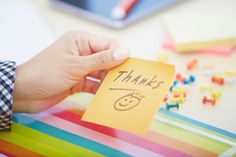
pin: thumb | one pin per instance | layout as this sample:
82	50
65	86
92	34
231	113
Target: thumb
105	59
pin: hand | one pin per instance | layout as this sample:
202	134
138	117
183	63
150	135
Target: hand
63	69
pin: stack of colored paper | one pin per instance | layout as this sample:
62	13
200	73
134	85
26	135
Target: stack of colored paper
205	29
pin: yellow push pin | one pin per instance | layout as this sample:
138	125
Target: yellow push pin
178	90
215	95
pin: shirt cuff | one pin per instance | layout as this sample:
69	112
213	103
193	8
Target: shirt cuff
7	79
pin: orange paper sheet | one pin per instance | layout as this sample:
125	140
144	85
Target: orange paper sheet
130	95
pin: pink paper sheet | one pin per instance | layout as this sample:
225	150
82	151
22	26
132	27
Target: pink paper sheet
221	50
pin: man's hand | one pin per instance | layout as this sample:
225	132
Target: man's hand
61	70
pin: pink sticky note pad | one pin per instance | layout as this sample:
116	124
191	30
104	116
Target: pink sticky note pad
220	50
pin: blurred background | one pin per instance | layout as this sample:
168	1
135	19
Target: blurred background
32	25
170	31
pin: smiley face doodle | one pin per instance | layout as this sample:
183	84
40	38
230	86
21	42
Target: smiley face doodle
128	101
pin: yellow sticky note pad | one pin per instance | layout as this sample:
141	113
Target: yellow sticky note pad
130	95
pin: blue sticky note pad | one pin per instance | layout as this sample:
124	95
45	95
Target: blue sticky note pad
100	10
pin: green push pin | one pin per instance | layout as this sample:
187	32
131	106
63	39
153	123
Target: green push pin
168	106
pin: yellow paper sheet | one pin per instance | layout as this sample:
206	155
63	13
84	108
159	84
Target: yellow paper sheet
130	95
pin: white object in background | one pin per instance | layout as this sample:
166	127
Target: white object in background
23	33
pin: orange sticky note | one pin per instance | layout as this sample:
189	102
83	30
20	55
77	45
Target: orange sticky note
130	94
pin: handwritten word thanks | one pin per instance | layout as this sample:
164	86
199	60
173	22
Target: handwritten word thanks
138	79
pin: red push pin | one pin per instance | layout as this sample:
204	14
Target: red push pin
217	80
165	99
206	100
179	77
190	65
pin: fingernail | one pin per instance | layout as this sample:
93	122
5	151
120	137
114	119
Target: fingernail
121	54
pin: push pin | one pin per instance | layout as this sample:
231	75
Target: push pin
191	79
216	95
173	85
206	87
165	99
179	94
179	100
179	77
178	90
218	80
190	65
168	106
206	100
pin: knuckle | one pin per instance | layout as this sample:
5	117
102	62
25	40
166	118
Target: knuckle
103	59
80	40
73	34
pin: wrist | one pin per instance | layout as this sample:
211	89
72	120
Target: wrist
20	90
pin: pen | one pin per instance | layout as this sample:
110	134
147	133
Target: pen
122	9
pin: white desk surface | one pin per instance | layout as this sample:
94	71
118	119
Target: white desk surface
144	39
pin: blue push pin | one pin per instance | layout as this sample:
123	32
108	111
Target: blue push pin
190	79
168	106
174	84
